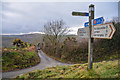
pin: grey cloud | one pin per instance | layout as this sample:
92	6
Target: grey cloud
34	15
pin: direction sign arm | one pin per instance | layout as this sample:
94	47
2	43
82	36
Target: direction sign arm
80	14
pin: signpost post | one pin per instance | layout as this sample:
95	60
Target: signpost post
91	16
91	40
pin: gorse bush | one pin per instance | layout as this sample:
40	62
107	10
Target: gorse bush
26	44
18	43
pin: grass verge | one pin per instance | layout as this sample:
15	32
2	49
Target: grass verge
102	69
13	59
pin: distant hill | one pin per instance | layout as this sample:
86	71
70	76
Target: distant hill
30	38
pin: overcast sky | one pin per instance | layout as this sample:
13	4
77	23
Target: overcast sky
25	17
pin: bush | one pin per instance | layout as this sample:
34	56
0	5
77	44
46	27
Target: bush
18	43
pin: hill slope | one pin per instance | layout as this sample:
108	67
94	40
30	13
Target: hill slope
30	38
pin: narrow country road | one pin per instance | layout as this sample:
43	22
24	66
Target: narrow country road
45	62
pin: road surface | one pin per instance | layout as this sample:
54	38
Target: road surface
45	62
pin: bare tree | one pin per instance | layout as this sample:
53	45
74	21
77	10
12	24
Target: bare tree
115	19
54	30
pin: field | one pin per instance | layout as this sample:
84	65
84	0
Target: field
100	70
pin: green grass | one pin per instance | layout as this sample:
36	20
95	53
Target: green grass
100	70
13	59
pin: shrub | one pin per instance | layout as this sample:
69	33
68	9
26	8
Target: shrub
18	43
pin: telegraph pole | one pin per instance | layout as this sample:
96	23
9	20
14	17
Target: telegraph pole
91	40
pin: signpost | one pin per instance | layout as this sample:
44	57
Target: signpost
95	22
91	17
98	21
94	29
83	32
80	14
104	31
86	24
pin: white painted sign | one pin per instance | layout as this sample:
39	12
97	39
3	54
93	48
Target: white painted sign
103	31
83	32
